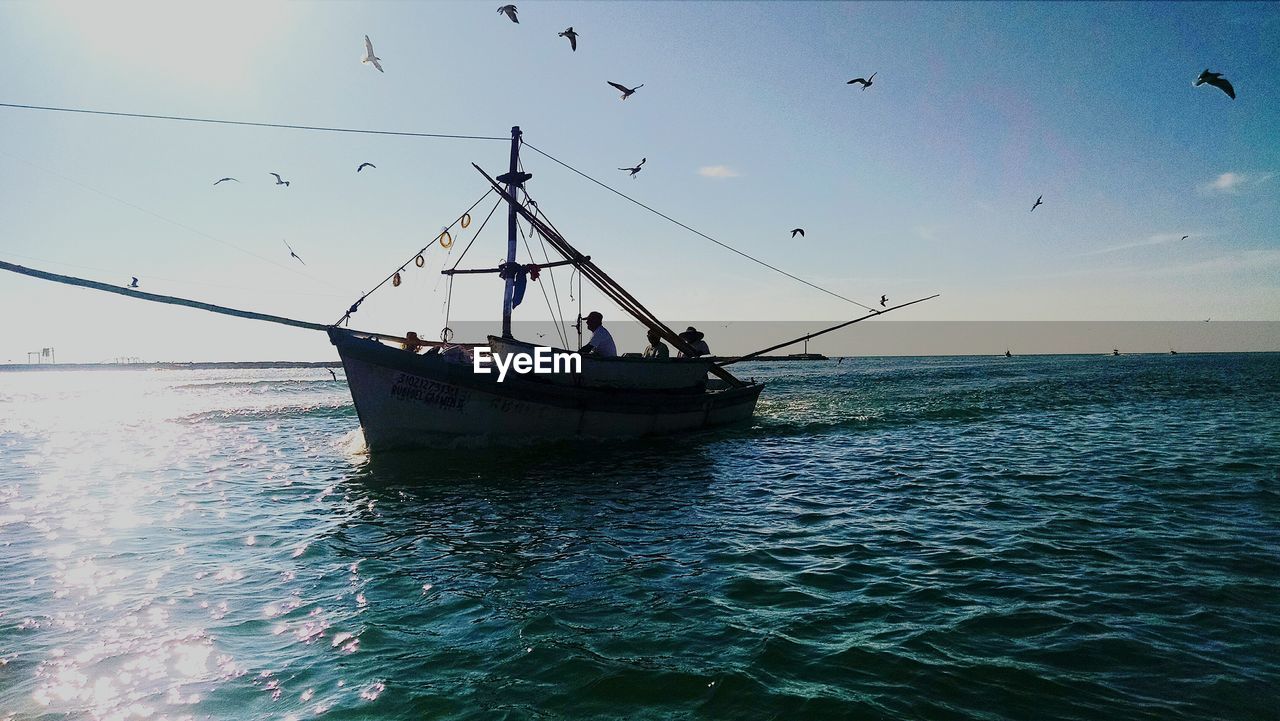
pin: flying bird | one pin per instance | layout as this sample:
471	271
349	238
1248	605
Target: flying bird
1217	81
366	165
626	92
1039	202
1184	237
224	180
335	375
369	57
573	37
279	180
291	253
509	11
866	82
799	231
134	284
635	169
883	299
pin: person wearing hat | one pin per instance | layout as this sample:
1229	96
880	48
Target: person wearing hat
693	337
601	344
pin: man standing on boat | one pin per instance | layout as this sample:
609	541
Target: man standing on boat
601	344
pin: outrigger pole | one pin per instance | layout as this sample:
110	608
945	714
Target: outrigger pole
805	338
174	300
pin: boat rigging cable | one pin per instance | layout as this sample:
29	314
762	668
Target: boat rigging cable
356	305
543	287
476	234
448	298
561	328
366	131
692	230
286	126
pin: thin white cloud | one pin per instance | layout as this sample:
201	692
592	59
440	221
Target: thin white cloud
1157	239
717	171
1232	182
1263	262
927	232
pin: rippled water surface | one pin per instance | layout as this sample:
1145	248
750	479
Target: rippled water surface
946	538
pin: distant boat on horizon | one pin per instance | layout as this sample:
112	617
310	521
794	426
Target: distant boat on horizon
1115	351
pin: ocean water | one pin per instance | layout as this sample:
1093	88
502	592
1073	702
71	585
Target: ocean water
1079	537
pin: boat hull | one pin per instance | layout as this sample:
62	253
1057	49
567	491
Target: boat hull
409	400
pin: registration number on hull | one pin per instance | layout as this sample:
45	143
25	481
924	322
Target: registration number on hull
424	390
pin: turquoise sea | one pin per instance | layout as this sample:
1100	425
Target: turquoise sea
1071	537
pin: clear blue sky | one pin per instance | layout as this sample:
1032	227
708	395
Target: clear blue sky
921	184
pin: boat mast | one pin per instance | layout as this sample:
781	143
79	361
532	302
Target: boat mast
512	182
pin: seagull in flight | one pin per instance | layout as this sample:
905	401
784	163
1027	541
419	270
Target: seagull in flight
1217	81
573	37
291	253
635	169
883	299
369	57
224	180
366	165
1184	237
134	284
626	92
279	180
509	11
866	82
1039	202
797	231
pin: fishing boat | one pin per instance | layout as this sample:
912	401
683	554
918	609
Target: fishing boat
438	398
